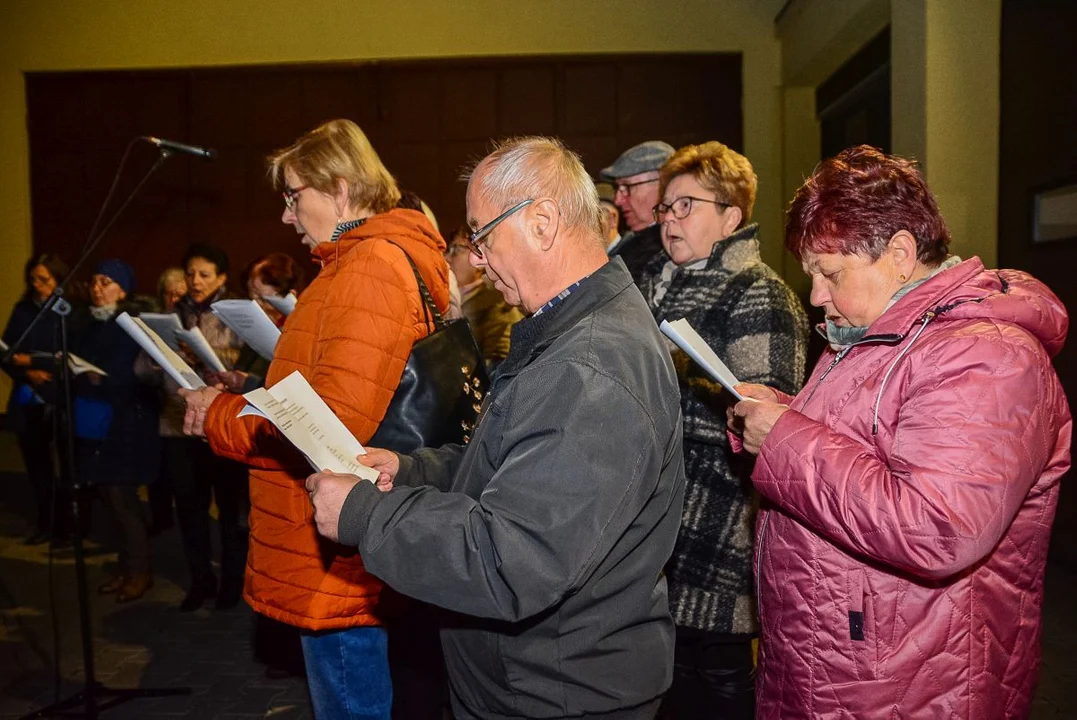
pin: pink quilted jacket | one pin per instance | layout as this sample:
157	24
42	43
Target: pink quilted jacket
908	500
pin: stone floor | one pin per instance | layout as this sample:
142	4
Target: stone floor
149	644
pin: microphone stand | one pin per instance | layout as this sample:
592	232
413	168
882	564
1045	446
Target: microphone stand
94	697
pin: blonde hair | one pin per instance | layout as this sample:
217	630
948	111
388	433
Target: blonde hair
724	172
525	168
338	150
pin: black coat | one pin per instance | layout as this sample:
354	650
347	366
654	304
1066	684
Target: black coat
130	453
43	341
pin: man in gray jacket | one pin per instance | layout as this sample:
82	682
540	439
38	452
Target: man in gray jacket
547	534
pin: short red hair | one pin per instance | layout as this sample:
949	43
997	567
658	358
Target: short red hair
857	200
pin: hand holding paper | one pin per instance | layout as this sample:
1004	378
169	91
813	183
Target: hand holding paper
304	418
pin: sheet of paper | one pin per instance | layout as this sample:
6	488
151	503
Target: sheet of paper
250	322
687	339
304	418
165	325
79	366
161	353
196	341
283	305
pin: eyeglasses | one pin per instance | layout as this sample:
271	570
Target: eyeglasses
291	195
681	207
476	238
456	249
626	188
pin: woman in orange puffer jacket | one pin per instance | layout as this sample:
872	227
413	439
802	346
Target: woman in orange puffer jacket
350	336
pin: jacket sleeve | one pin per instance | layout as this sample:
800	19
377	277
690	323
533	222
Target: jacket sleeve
366	330
560	497
969	442
434	467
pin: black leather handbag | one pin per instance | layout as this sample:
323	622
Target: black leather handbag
442	388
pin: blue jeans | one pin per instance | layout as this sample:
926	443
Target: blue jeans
348	673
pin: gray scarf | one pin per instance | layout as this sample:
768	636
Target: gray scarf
841	337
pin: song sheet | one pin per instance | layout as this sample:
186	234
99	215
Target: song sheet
248	320
686	338
282	304
304	418
160	352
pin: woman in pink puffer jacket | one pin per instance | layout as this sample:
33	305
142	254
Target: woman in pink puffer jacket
909	489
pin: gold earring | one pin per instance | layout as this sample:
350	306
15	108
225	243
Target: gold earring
901	278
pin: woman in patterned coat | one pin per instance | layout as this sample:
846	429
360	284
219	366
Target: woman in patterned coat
712	275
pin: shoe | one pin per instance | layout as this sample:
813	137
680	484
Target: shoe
134	587
112	585
199	594
39	538
229	595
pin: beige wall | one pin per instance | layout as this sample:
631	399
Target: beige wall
944	96
104	34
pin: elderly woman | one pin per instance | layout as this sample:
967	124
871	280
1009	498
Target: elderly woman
712	275
117	445
910	487
350	336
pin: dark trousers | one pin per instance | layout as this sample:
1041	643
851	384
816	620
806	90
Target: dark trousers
713	677
125	509
36	441
417	664
196	476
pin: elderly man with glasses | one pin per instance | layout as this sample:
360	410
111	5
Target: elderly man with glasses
634	176
546	536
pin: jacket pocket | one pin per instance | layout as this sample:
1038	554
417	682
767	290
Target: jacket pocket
862	632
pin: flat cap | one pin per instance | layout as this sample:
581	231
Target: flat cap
645	157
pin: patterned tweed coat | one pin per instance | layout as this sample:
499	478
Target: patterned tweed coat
757	326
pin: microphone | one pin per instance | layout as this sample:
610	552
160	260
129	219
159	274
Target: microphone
171	146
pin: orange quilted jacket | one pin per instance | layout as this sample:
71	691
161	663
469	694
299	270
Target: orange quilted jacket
350	336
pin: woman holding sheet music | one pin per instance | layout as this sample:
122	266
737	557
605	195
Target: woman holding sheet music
350	336
909	489
710	273
31	411
195	472
116	438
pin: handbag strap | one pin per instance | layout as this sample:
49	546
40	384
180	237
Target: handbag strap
432	315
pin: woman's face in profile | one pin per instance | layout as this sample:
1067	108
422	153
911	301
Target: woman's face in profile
313	214
42	282
852	289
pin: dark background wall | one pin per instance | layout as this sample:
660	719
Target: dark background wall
1037	148
427	120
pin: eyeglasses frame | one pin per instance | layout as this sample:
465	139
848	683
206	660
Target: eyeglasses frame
291	195
656	211
476	238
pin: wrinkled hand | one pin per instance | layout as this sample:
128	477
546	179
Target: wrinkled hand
328	491
198	402
386	462
230	380
38	377
754	417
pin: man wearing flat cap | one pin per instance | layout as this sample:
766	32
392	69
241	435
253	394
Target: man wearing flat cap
635	180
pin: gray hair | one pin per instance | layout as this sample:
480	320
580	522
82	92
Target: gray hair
524	168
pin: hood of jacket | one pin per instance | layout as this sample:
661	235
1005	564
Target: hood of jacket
969	292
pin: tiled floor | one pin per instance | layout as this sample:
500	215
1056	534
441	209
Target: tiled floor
149	644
